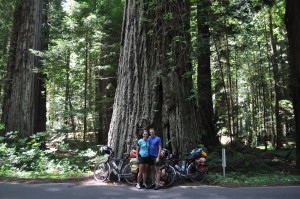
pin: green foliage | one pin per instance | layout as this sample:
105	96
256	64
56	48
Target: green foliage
246	165
244	160
6	19
27	157
168	16
241	65
2	126
261	179
83	54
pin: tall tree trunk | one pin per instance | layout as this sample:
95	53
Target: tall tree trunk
293	30
204	76
229	88
105	90
24	106
272	132
154	83
68	120
223	82
85	87
237	128
278	95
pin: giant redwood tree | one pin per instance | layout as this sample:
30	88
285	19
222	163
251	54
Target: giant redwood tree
24	106
205	102
154	82
293	28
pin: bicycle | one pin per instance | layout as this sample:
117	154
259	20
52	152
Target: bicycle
193	167
167	171
103	169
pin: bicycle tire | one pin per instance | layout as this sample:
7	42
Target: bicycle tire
102	171
130	178
194	174
168	175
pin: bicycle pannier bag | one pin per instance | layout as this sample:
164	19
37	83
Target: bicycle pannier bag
134	165
132	153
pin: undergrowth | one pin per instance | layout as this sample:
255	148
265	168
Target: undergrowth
42	156
38	157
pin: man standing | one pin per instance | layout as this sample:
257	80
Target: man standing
154	151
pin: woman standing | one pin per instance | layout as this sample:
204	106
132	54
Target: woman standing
142	156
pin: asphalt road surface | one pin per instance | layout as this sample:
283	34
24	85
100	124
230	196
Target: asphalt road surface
74	191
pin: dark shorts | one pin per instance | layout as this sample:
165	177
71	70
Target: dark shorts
152	161
143	160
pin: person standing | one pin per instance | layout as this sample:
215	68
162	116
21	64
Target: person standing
154	160
142	156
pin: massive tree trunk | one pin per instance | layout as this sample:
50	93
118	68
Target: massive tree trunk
24	106
293	28
154	82
204	75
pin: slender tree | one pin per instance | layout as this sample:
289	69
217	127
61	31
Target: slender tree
24	106
278	95
154	82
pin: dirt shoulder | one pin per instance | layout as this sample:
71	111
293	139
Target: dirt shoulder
76	180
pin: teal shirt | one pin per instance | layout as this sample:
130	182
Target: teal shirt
143	147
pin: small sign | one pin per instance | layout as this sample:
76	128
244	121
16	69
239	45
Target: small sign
223	158
223	161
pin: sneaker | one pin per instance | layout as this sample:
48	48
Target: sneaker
151	186
156	187
138	186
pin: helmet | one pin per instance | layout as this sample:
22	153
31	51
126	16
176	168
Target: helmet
195	153
105	150
164	153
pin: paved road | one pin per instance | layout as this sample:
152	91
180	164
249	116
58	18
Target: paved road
73	191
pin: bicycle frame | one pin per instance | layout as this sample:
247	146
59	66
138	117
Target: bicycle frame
181	169
186	166
118	166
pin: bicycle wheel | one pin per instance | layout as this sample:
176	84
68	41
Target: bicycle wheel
167	175
102	171
194	174
130	178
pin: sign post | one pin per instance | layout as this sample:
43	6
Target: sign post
223	161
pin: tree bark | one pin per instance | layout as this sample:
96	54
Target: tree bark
154	82
293	30
278	95
24	106
85	106
204	76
